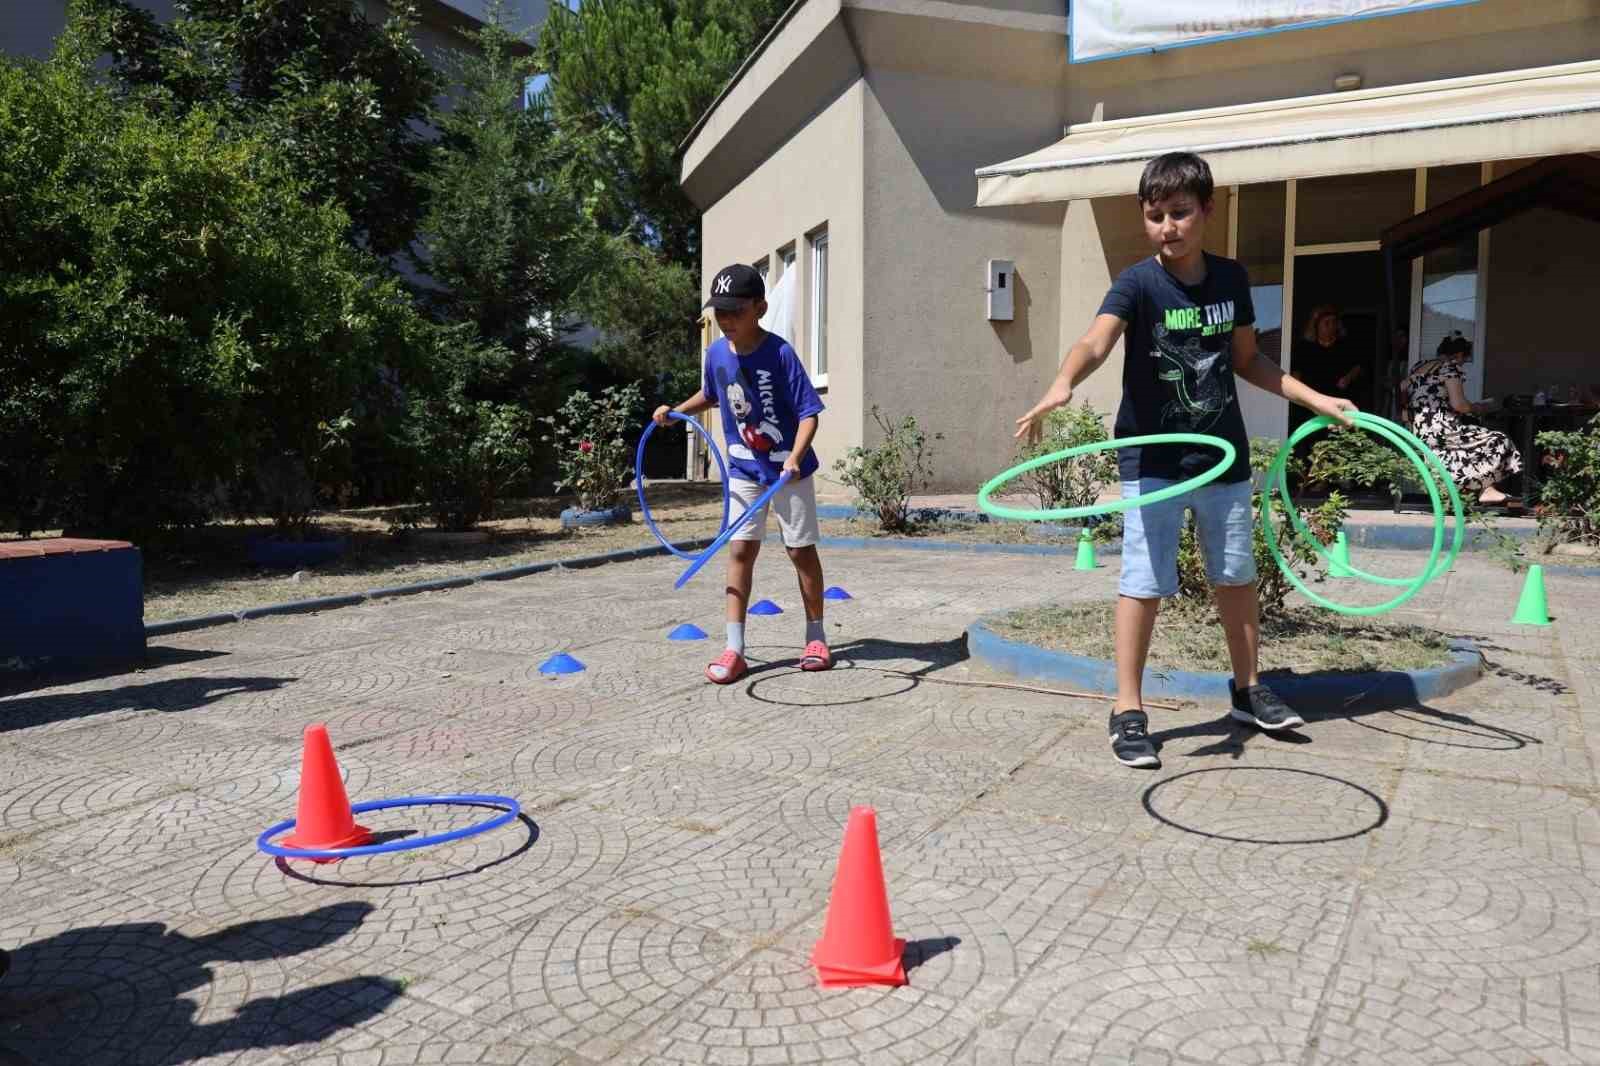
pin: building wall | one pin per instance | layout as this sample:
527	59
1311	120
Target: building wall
30	27
812	181
1542	283
930	349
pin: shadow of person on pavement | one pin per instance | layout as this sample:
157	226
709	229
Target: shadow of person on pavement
130	992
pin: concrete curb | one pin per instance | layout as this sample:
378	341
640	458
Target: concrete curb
328	603
186	625
1360	534
1320	693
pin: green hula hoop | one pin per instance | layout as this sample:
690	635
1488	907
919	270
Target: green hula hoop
1390	430
1277	480
1229	453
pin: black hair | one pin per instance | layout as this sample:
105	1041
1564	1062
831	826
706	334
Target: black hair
1174	173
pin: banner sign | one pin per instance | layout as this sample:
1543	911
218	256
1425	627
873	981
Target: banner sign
1106	29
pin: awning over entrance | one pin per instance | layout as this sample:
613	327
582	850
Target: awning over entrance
1512	115
1563	183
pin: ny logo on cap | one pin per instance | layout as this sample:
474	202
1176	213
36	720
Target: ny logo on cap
723	283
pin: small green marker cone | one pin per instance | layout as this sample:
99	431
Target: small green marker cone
1085	553
1339	560
1531	608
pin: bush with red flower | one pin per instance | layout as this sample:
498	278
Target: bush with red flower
590	435
1569	493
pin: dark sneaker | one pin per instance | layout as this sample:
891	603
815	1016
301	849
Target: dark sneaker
1262	708
1130	739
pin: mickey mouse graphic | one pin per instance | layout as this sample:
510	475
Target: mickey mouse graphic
759	438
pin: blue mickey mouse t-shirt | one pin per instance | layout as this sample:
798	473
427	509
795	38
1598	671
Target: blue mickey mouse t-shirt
763	397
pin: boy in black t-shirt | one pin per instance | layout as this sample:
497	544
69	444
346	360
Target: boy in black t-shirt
1188	320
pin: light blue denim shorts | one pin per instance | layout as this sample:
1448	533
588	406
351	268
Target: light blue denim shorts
1223	520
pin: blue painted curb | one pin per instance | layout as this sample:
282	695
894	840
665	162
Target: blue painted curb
512	572
421	586
303	606
186	625
1365	535
1378	690
979	547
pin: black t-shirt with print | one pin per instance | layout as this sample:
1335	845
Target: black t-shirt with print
1177	376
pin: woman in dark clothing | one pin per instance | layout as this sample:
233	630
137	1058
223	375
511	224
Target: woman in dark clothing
1324	360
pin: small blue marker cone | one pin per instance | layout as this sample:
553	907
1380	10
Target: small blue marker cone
687	631
834	592
765	607
561	663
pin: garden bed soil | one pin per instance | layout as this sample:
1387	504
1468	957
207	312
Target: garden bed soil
1302	639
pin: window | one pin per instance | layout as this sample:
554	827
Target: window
819	309
787	255
763	267
1449	274
1261	222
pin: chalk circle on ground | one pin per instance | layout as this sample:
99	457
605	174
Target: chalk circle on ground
638	481
847	685
1319	807
1056	514
511	810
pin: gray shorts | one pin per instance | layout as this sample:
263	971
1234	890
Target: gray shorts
1223	520
795	505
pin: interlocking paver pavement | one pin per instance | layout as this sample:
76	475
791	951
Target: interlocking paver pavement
1416	886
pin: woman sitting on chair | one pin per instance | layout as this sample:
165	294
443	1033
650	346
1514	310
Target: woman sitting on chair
1434	394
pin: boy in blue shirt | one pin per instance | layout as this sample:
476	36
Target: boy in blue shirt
769	417
1189	323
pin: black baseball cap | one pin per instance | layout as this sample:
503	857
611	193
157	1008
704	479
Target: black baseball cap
734	285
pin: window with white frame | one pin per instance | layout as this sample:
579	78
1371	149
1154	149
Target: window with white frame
763	267
819	308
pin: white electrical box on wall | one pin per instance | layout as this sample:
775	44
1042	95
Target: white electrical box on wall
1000	287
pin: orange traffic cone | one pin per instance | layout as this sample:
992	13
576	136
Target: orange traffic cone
858	945
323	819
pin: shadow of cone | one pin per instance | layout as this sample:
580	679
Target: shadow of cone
858	945
323	820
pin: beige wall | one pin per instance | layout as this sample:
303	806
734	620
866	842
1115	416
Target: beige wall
1542	283
930	347
811	181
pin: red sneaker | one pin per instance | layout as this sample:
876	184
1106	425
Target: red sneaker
816	657
732	667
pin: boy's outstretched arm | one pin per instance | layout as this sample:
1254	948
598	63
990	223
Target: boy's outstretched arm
692	406
1249	365
1082	359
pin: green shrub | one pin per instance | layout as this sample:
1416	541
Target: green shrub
467	450
1569	493
590	435
886	475
1075	482
174	317
1273	587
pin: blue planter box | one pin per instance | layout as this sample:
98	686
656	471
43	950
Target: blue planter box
291	555
612	516
70	605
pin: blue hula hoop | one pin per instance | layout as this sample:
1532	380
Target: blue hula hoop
638	480
512	812
727	534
